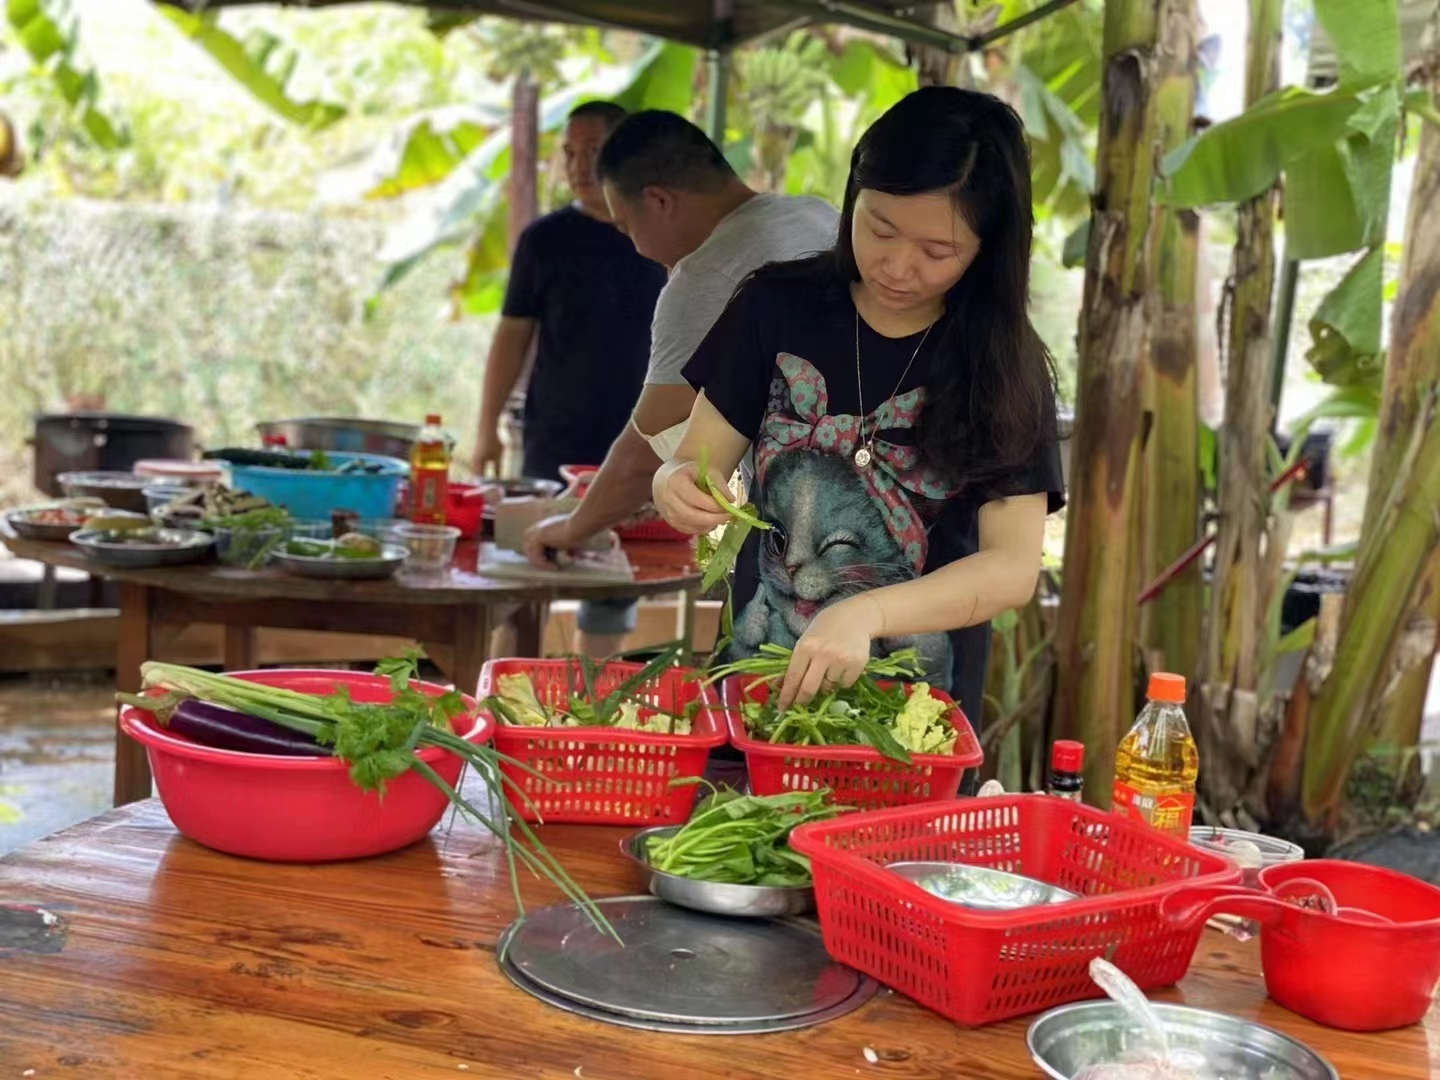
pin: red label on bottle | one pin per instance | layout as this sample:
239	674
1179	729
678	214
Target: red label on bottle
431	489
1168	811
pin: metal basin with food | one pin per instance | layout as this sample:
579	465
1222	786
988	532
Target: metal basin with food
55	521
718	898
980	887
146	548
122	490
295	560
1071	1038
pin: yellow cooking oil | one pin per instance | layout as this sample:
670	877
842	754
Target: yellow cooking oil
1157	762
430	473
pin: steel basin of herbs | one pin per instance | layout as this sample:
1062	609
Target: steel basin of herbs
298	809
715	897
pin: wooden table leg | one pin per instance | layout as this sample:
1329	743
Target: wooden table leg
132	770
472	644
239	648
530	622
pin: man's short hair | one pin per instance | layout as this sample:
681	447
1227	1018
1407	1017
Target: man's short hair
607	111
661	149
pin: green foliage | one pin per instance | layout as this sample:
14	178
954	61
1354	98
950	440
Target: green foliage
523	49
48	31
1335	149
1346	326
261	63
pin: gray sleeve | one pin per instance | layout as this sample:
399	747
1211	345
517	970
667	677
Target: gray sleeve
688	306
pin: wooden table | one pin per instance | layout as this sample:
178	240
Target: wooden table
450	615
174	961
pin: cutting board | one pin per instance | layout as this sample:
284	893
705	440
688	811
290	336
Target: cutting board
611	565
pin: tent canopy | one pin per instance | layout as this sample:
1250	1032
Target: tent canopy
709	24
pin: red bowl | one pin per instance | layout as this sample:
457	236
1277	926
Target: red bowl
296	809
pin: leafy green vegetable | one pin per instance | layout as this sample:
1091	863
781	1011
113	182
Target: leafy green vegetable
721	560
741	839
379	742
891	719
518	704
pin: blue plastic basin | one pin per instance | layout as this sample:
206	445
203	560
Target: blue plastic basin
308	494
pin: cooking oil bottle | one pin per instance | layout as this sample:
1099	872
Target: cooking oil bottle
1157	762
430	473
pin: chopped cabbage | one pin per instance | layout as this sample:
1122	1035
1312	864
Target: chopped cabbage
921	726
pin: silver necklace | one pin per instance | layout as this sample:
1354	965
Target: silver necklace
865	453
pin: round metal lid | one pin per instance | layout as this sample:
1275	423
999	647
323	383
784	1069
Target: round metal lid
679	967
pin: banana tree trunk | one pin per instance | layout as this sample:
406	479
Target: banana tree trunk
1405	534
524	154
1413	363
1095	637
1170	624
1227	702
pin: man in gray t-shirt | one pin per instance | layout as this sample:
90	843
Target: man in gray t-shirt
671	190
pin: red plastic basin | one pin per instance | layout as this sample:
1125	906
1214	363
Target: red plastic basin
294	809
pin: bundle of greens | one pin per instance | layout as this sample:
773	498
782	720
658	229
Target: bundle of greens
517	703
718	558
891	719
741	839
377	740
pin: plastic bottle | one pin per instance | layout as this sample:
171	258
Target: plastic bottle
430	473
1067	759
1157	762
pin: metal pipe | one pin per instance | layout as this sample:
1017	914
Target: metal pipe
869	19
1018	23
718	66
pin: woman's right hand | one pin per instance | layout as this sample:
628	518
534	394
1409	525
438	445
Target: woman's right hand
682	502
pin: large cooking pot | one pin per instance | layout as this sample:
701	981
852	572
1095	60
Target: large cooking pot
102	442
345	434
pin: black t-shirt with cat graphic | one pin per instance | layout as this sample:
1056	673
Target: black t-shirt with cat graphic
779	365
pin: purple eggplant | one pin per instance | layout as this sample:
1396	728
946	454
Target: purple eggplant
229	729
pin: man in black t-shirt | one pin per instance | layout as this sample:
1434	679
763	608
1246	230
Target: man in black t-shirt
581	295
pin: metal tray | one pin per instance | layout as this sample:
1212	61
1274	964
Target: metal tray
390	559
680	970
1067	1039
183	546
717	898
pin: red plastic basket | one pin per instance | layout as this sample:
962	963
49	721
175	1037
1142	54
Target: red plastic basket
977	967
856	775
605	776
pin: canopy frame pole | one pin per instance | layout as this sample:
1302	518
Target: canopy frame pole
717	63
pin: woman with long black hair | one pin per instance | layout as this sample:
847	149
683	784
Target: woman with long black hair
900	407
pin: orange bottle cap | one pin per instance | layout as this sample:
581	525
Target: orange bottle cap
433	419
1166	687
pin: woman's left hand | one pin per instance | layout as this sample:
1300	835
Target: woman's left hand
832	653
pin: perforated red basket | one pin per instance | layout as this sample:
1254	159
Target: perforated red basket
856	775
605	775
976	967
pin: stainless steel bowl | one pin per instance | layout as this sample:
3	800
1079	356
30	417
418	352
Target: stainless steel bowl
122	490
747	901
1072	1037
345	433
178	546
382	566
980	887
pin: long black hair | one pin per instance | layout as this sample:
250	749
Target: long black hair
991	388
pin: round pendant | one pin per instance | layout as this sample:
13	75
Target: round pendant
862	457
